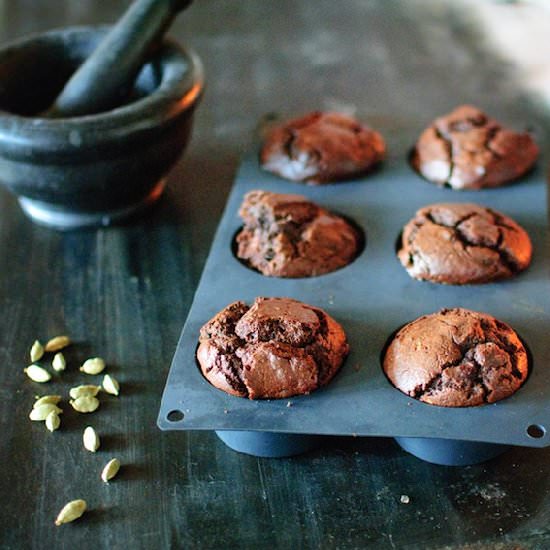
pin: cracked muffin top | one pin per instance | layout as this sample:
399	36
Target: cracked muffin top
278	347
321	147
466	149
456	358
460	243
288	236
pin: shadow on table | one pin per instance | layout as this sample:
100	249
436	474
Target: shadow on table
502	494
484	500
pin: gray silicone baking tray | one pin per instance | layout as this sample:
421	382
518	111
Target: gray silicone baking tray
372	298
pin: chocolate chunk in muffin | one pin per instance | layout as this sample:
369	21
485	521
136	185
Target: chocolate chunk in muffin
460	244
278	347
466	149
456	358
321	147
289	236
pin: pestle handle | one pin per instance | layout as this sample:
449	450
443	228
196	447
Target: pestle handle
105	78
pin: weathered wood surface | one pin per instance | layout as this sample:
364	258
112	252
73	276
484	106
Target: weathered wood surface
123	293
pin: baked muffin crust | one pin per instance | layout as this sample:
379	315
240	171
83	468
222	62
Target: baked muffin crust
288	236
456	358
278	347
466	149
463	243
321	147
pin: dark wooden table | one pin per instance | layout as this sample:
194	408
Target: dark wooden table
124	292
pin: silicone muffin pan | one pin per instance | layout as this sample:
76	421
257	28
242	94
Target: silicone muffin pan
372	297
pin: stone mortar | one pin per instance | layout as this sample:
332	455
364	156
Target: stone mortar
95	169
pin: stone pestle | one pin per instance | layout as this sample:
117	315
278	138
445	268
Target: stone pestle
106	78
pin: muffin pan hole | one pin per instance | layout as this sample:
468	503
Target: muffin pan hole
361	246
536	431
175	416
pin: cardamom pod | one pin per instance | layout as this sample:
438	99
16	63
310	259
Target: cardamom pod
110	384
57	343
55	399
87	389
110	470
37	374
93	365
53	421
85	403
58	362
71	511
90	439
42	411
37	351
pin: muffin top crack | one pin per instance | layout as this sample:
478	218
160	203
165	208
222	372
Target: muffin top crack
276	348
463	243
288	236
466	149
321	147
456	358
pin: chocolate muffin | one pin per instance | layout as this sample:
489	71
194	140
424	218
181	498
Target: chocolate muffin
466	149
277	348
289	236
321	147
456	358
463	244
